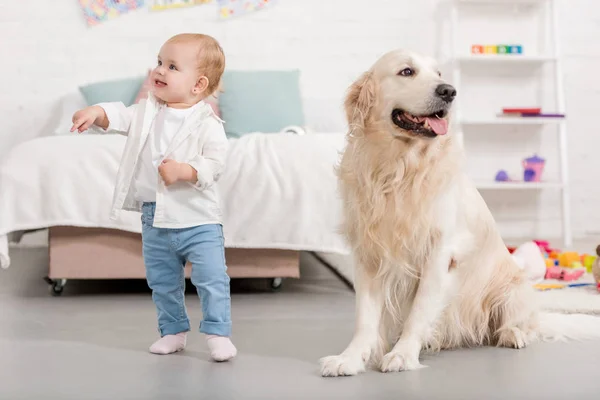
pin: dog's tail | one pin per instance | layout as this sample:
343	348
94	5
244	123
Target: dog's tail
562	327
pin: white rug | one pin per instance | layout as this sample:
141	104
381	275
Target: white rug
585	299
581	300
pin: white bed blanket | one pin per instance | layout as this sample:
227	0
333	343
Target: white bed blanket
277	191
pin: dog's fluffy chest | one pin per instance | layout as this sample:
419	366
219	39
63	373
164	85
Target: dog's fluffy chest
395	212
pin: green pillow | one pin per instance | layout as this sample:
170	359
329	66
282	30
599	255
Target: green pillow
260	101
124	90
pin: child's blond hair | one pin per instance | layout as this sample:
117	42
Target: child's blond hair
211	59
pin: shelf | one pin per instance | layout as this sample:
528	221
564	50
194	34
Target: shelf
492	185
504	58
462	62
513	121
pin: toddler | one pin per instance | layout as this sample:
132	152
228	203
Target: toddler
174	154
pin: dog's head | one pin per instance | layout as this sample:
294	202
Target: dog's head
404	91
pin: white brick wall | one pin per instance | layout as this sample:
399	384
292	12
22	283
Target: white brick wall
47	50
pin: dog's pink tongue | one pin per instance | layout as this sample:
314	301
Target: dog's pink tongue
439	126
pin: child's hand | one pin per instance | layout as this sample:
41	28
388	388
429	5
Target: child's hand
170	171
84	118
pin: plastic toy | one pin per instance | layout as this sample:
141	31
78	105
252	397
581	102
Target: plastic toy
490	49
551	262
588	261
576	264
516	49
566	266
543	245
477	49
503	49
533	168
567	259
562	274
502	176
548	286
496	49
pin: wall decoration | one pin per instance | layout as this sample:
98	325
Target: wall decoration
98	11
235	8
159	5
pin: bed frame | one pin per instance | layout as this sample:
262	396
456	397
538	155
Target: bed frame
96	253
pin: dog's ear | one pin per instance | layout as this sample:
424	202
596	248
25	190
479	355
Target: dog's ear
360	100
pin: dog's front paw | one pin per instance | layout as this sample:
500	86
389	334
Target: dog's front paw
396	361
514	338
342	365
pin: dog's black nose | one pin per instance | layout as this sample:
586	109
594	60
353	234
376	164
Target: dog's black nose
446	92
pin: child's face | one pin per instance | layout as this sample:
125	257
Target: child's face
176	79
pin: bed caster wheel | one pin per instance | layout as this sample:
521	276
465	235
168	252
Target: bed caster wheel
56	287
275	284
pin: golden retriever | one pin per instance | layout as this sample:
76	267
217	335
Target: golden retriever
432	271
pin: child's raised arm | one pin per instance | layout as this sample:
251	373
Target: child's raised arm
108	116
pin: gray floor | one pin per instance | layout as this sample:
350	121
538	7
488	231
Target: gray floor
91	343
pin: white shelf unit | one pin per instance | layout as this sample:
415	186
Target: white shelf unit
459	59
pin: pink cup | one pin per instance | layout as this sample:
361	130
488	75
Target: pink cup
533	168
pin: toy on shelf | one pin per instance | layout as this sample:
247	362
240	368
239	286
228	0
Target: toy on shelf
596	268
531	112
496	49
533	168
519	111
502	176
528	112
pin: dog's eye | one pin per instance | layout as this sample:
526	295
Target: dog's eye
406	72
439	74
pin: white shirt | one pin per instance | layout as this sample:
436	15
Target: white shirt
200	141
165	126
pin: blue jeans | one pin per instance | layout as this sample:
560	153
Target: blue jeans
165	254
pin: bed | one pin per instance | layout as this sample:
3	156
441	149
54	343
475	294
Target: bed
279	197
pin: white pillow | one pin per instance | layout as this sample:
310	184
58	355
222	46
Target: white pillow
69	104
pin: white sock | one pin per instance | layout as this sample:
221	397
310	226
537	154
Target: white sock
221	348
169	344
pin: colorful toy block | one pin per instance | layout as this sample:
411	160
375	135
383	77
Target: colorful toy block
516	49
477	49
496	49
503	49
490	49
